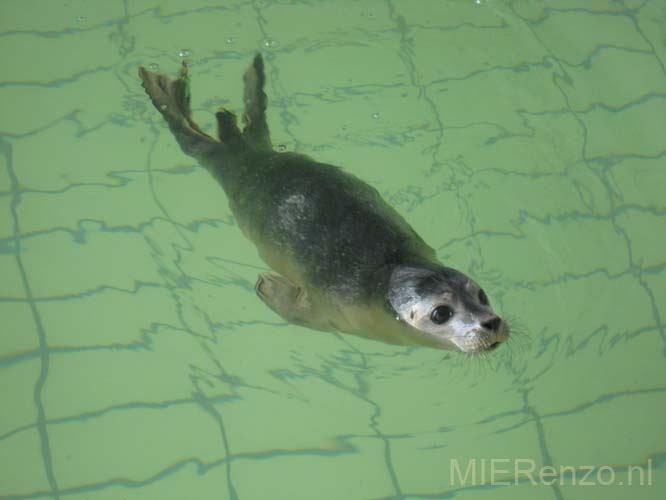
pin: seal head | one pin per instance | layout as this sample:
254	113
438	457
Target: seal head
446	307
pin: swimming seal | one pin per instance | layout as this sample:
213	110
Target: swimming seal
345	260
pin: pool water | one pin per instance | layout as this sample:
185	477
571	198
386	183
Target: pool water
524	140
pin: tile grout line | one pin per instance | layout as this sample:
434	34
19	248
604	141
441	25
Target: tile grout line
6	151
541	438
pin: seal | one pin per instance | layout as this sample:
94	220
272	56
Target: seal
344	259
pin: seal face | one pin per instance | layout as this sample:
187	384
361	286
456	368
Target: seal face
448	306
344	259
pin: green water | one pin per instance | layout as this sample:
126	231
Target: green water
524	140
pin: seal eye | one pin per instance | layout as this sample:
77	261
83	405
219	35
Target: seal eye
441	315
483	298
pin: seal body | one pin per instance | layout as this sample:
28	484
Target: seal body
345	260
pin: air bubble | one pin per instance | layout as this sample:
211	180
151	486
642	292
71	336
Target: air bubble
184	52
269	43
231	40
376	116
153	66
281	148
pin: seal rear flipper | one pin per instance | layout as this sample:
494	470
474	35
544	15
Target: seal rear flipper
255	128
172	100
291	302
227	129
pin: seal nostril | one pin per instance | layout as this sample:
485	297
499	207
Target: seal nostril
492	324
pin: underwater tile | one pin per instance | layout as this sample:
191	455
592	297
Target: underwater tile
11	284
109	318
460	460
573	35
123	211
598	371
432	389
340	68
369	131
555	251
189	197
17	385
43	63
272	357
73	107
656	284
498	97
640	181
19	331
523	490
5	180
324	24
199	32
75	16
576	317
622	431
133	445
535	11
172	10
22	473
631	131
450	16
460	56
57	160
98	259
550	147
225	306
166	162
163	375
305	422
608	79
440	219
646	234
651	19
217	254
6	223
189	480
357	473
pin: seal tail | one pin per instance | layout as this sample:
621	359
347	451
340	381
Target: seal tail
172	99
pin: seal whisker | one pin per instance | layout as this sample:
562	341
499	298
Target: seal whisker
519	339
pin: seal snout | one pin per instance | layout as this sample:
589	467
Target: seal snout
496	332
493	324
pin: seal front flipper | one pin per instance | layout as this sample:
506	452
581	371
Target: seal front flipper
172	99
255	128
290	301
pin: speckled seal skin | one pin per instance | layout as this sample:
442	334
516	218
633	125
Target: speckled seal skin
344	259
